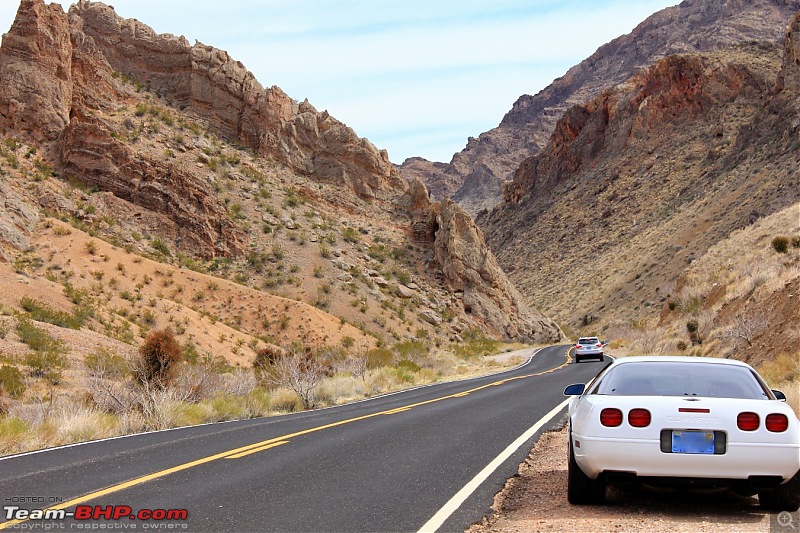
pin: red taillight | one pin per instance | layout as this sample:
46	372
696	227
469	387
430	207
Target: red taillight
747	421
611	417
639	418
776	422
599	345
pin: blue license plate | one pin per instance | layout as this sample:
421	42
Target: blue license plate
699	442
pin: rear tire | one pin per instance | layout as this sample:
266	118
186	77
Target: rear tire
785	497
581	489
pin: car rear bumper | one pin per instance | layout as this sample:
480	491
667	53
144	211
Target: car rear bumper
644	458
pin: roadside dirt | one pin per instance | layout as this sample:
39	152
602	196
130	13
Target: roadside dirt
536	500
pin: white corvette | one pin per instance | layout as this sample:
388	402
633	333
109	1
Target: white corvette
684	422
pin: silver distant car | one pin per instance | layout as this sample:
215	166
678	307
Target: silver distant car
588	348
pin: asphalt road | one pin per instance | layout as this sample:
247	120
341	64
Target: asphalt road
386	464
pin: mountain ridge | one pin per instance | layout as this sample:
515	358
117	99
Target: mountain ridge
473	177
186	138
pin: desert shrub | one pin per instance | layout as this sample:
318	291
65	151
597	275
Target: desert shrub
782	368
35	337
411	366
48	364
41	312
265	361
298	368
161	247
475	344
413	350
13	431
285	400
379	357
693	328
48	359
780	244
350	234
158	357
11	381
104	363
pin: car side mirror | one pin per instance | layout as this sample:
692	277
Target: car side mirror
778	395
575	390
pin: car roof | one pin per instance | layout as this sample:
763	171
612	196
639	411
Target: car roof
678	359
588	337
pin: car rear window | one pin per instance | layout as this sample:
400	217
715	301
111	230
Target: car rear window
658	378
588	341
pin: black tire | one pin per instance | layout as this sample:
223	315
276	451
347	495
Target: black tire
581	489
601	358
785	497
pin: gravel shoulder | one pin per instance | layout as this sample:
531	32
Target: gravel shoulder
536	500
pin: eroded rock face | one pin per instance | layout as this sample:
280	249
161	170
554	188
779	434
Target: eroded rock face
669	92
59	84
36	71
216	90
790	71
88	151
473	177
57	67
470	267
17	220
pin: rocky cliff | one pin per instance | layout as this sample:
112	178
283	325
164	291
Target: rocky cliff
641	180
474	175
186	147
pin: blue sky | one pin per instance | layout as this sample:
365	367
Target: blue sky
416	77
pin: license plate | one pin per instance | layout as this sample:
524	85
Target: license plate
700	442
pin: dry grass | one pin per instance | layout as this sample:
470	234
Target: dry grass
200	397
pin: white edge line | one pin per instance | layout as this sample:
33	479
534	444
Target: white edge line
118	437
455	502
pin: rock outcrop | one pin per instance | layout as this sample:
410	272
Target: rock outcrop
471	268
211	87
109	103
56	68
202	222
641	180
473	177
36	84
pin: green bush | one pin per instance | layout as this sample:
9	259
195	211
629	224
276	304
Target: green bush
42	313
411	366
781	244
47	364
475	344
379	357
103	362
11	381
413	350
350	234
36	338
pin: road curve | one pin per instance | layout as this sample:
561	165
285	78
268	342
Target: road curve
385	464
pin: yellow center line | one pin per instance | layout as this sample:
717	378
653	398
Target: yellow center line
267	444
261	449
